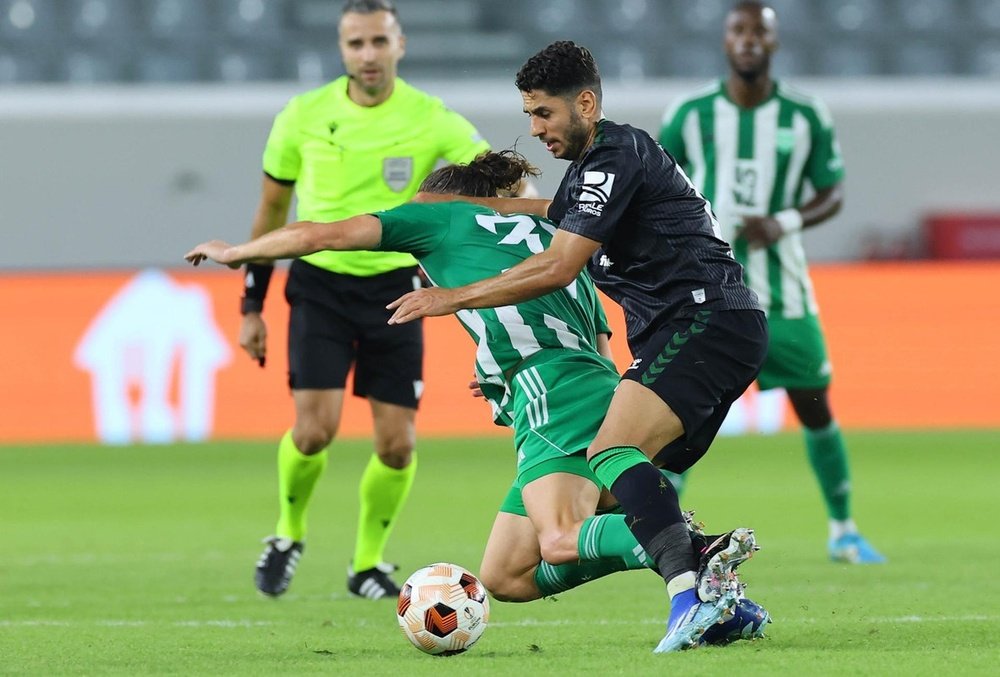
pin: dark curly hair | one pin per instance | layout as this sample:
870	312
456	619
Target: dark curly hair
486	176
562	69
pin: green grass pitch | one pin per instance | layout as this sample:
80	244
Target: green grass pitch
139	561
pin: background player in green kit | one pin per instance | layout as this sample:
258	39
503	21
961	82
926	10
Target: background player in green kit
542	364
752	145
361	143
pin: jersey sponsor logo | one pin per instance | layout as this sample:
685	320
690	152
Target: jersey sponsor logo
595	191
698	295
397	172
604	262
784	140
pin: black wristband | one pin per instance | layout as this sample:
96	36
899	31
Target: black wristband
256	279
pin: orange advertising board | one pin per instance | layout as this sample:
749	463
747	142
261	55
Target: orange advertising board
151	355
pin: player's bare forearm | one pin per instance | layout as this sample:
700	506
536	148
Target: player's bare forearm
527	280
823	205
537	275
272	210
294	240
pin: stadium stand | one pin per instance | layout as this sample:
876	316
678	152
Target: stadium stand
87	41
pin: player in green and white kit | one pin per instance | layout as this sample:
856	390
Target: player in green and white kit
767	158
543	365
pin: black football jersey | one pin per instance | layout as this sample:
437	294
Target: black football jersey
661	255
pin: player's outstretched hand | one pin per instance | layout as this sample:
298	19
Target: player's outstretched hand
422	303
213	250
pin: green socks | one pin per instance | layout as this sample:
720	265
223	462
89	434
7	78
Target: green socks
297	475
606	536
382	492
609	464
555	578
828	457
605	546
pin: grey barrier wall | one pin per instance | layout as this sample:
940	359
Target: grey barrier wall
132	176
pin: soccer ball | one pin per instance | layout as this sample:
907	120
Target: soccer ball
443	609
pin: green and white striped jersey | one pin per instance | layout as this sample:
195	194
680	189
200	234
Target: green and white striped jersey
755	162
458	243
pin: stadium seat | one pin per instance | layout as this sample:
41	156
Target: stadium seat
177	19
793	59
795	17
923	58
169	66
985	59
556	16
704	17
440	14
233	65
17	68
101	19
985	13
316	15
34	20
316	64
690	59
253	18
627	63
928	15
855	16
86	67
848	59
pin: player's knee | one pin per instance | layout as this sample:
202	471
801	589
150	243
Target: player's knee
507	588
558	546
395	451
311	438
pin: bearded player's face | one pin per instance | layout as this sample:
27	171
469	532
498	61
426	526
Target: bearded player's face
371	46
556	122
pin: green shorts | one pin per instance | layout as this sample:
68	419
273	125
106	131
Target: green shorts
574	464
559	401
796	355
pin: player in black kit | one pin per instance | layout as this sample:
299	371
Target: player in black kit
697	335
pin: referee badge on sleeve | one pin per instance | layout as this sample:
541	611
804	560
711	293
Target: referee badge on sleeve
397	172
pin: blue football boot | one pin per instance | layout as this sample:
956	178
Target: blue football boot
747	622
854	549
690	618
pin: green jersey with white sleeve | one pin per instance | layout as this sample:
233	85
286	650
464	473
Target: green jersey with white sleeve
458	243
757	162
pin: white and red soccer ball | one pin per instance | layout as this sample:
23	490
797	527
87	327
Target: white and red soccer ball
443	609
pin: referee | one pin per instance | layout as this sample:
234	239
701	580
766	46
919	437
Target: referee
361	143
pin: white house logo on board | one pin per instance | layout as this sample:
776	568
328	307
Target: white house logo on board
153	352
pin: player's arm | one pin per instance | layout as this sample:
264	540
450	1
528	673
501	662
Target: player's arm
272	210
295	239
761	231
604	346
537	275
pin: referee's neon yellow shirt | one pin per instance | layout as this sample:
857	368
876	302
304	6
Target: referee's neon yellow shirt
347	159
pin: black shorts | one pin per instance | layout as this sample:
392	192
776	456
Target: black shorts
340	320
699	365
